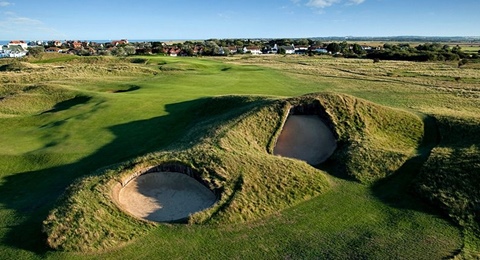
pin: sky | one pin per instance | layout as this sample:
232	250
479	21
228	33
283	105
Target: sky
206	19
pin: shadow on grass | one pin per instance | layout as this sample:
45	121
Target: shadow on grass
31	195
67	104
397	189
129	89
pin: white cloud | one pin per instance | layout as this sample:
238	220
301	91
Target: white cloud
322	3
18	27
327	3
356	2
4	3
11	19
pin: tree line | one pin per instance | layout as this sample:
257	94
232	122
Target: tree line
422	52
213	47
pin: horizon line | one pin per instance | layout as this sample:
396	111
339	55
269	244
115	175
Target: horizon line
311	37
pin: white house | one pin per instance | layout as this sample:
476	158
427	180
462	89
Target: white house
13	51
252	49
289	49
22	44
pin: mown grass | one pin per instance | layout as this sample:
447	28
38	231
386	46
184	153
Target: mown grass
43	153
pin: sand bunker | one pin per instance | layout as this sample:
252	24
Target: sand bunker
307	138
165	196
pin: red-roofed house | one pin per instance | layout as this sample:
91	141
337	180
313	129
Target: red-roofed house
22	44
77	45
122	41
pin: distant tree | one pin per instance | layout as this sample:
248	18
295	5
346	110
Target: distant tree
118	51
226	51
387	46
187	48
456	49
104	53
282	51
36	51
84	52
129	50
157	44
357	49
344	48
303	42
333	47
239	43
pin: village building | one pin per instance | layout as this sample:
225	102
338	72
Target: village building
289	49
22	44
252	49
120	42
12	51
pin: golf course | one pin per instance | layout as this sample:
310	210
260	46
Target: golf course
238	157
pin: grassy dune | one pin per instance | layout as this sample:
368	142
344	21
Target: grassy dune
86	114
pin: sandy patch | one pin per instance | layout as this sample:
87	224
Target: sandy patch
164	196
307	138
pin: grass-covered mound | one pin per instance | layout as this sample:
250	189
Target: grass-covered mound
31	88
450	177
31	99
373	140
230	145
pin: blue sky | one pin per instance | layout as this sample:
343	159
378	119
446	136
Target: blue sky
203	19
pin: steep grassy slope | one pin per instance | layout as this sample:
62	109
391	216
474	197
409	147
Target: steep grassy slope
230	149
451	175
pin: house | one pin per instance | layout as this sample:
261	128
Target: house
289	49
4	53
268	49
318	50
252	49
55	43
12	51
301	49
77	45
232	49
172	51
198	50
35	43
119	42
22	44
274	50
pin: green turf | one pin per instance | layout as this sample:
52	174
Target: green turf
104	111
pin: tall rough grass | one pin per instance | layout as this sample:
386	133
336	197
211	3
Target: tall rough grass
231	147
232	155
451	175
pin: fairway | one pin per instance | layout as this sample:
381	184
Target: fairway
73	128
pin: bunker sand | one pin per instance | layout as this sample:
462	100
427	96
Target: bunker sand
307	138
164	196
